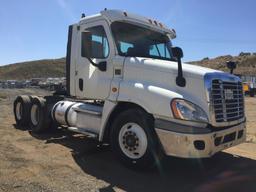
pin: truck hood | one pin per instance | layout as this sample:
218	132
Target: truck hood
156	77
189	70
162	74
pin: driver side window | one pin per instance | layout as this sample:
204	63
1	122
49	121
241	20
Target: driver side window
100	46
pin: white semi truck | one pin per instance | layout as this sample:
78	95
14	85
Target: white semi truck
126	86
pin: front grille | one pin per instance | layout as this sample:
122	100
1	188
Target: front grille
227	100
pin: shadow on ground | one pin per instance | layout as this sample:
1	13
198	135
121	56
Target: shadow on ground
223	172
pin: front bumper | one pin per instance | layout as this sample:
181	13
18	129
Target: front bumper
200	145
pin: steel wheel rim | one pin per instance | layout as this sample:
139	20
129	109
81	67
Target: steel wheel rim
133	140
18	110
34	114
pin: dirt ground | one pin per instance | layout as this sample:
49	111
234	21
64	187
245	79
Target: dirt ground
63	161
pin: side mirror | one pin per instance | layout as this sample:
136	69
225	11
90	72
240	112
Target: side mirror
87	44
102	66
177	52
231	65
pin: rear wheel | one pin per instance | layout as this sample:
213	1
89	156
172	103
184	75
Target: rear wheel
21	109
35	114
39	115
134	140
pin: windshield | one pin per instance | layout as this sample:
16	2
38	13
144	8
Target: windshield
132	40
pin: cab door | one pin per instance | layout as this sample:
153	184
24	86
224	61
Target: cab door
90	82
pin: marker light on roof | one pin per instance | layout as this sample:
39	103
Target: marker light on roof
150	21
125	14
161	25
155	22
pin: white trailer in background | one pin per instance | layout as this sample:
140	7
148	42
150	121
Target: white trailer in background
126	86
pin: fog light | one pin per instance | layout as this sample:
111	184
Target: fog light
217	141
199	144
240	134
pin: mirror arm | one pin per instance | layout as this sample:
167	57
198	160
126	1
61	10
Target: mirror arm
91	61
178	54
101	66
180	80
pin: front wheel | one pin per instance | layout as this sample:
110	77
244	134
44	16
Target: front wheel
134	140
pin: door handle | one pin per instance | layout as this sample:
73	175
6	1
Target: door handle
81	84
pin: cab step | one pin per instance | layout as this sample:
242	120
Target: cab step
83	131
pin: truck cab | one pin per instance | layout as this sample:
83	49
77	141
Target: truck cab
127	86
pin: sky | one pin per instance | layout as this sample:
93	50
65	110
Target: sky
33	30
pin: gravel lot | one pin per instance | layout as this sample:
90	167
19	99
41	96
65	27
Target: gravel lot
63	161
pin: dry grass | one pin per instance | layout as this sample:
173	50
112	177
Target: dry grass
64	161
3	95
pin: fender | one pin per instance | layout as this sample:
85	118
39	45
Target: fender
108	108
142	95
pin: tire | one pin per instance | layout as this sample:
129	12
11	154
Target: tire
134	141
39	115
21	110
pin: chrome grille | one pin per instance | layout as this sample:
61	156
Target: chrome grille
227	100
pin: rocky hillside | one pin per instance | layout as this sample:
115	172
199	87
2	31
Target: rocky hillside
33	69
246	65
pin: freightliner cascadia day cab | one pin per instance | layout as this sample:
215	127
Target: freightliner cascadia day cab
127	86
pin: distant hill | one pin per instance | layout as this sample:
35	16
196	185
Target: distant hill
33	69
246	65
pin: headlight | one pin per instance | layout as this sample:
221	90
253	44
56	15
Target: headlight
186	110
